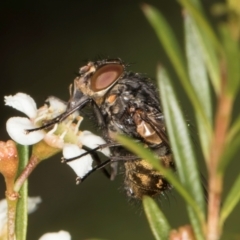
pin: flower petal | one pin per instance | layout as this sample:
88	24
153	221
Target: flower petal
91	140
16	127
33	203
56	104
23	103
61	235
32	206
81	166
3	213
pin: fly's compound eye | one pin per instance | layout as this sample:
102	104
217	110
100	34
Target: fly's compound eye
105	76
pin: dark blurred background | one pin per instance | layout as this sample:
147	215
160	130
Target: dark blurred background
43	44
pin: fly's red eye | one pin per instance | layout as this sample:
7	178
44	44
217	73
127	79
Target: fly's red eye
105	76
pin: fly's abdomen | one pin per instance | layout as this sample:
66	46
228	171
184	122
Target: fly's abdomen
141	179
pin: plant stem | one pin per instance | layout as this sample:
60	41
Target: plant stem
12	200
215	179
26	172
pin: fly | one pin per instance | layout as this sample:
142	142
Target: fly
124	102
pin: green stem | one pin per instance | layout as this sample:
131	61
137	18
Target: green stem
21	211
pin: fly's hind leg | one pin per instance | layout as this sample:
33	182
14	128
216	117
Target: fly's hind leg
113	161
105	163
100	165
98	161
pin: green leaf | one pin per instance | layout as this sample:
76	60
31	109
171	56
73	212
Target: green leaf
209	43
230	150
22	208
195	9
145	154
234	130
232	146
171	46
181	145
157	221
231	201
168	40
199	80
232	55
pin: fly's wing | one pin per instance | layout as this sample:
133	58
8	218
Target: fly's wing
157	124
146	112
152	129
149	124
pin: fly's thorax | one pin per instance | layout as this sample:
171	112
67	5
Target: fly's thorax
114	108
125	109
142	179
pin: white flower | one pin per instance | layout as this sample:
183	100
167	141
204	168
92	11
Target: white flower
65	135
33	203
81	166
91	140
17	126
61	235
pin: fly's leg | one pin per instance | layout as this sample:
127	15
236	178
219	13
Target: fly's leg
96	158
90	151
105	163
73	108
101	165
97	167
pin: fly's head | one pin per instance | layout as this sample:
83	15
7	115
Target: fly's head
96	78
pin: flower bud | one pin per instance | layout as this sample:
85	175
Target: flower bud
182	233
8	162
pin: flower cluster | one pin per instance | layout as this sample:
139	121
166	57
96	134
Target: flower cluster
47	140
64	136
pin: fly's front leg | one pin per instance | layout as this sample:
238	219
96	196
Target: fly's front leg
97	167
102	125
100	120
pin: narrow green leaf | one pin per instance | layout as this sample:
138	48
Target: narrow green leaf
199	80
196	11
209	43
195	223
22	208
157	221
230	151
180	138
232	146
168	40
231	201
232	54
234	130
196	66
171	46
145	154
181	145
